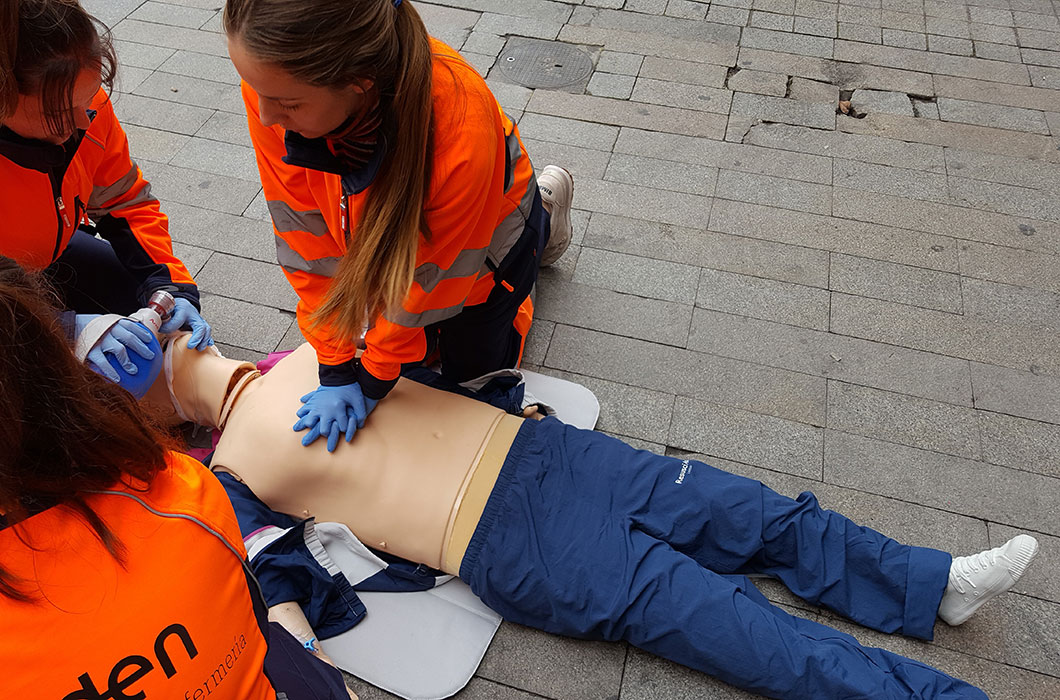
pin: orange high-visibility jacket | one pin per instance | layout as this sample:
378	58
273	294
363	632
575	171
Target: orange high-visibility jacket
48	190
482	189
177	620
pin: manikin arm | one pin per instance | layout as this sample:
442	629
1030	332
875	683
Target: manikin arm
291	617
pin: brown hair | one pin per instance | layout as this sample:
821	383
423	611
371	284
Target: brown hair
44	47
335	43
64	430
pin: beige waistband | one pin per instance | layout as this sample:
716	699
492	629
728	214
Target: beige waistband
480	484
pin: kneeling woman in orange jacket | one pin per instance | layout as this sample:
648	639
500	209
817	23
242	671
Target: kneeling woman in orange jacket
122	568
64	162
402	197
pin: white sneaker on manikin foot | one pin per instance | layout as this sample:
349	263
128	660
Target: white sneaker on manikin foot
557	191
977	578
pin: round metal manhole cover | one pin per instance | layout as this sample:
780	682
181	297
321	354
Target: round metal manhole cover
545	64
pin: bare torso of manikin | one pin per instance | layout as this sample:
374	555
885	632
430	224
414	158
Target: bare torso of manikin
398	485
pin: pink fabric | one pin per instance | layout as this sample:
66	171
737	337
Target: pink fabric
271	359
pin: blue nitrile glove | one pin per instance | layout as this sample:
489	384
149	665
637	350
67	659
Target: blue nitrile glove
123	336
185	314
332	411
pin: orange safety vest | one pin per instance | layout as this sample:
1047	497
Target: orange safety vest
177	620
482	190
48	190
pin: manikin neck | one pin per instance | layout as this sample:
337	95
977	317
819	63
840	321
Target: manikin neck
201	387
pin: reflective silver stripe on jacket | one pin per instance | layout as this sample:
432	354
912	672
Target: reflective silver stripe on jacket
515	151
409	320
468	262
286	219
251	578
108	193
292	261
510	229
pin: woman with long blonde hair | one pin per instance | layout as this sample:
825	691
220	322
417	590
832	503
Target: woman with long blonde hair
402	197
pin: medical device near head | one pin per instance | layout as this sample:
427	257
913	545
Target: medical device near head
158	309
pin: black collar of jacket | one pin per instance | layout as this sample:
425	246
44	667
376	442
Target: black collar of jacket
315	155
41	156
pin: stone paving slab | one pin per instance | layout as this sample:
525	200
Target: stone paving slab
649	44
655	279
1002	169
1005	344
720	251
869	149
626	113
942	481
154	144
200	65
171	37
676	71
654	172
805	167
897	182
983	138
1016	393
775	191
1003	199
831	355
634	413
830	233
774	443
793	304
740	384
1020	443
904	419
1021	305
555	667
593	307
862	307
156	114
1019	233
904	284
199	188
218	231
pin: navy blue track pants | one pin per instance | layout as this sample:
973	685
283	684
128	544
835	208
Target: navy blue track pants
587	537
90	279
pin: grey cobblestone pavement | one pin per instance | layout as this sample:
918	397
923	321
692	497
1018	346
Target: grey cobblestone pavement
865	304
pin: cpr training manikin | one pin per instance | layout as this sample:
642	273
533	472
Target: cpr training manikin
563	529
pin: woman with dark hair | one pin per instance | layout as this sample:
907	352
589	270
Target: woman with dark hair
64	162
401	194
121	563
